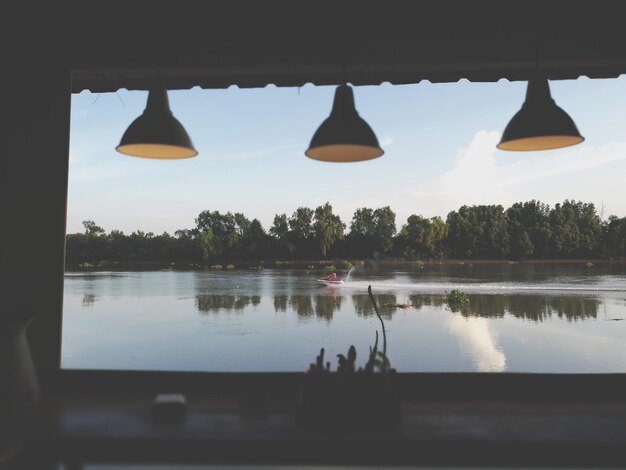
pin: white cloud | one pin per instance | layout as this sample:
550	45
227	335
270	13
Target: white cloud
387	141
481	174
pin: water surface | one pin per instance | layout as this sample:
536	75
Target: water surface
520	318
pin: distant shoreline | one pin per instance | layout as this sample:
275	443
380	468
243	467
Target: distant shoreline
336	265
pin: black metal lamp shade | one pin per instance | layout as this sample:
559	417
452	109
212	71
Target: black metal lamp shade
157	133
344	136
540	124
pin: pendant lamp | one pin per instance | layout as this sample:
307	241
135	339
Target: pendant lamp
156	133
344	136
540	124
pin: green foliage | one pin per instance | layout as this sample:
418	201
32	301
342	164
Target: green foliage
344	264
419	264
615	237
210	245
423	238
456	299
328	228
92	229
230	266
576	230
216	266
529	229
525	230
372	231
478	232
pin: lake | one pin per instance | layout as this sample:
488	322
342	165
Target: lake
525	317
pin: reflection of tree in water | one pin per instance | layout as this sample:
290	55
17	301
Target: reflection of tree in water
88	300
385	302
325	305
217	302
280	303
302	304
420	300
494	306
574	308
535	308
527	307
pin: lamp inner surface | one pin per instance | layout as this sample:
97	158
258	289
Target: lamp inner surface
544	142
343	153
156	151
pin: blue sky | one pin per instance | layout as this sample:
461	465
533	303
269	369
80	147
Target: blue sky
439	142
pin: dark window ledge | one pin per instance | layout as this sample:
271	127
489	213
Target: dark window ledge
520	419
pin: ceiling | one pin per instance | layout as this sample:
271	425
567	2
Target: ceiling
253	44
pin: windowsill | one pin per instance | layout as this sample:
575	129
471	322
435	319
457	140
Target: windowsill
540	425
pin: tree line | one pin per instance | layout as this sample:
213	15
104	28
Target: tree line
526	230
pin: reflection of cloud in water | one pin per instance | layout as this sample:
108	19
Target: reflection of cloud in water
476	340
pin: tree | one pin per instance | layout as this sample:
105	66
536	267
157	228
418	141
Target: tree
360	241
280	227
328	228
209	245
279	231
363	222
242	223
224	228
301	223
119	246
423	238
92	229
615	237
301	230
187	246
384	228
372	231
478	232
529	229
576	230
254	240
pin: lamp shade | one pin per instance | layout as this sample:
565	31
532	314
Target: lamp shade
157	133
540	124
344	136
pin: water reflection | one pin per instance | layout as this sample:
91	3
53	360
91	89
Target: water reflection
277	320
477	342
525	307
385	302
214	303
280	303
515	272
302	305
322	306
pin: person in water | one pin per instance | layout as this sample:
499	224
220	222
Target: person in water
330	277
